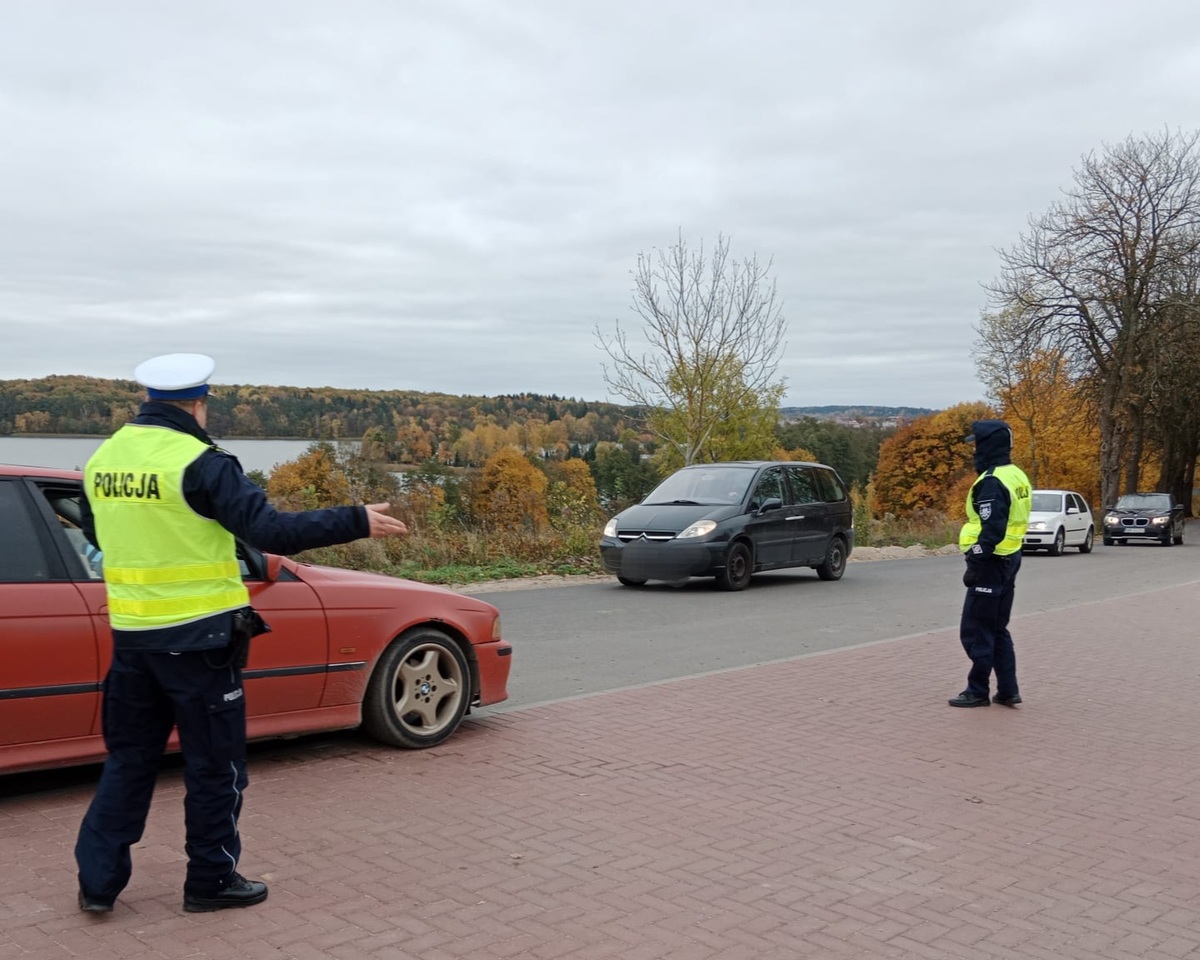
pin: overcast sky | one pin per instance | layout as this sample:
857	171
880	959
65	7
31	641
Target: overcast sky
449	196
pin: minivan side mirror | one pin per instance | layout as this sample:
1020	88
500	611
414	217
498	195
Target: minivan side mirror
771	503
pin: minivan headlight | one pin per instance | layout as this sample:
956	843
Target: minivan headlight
610	528
701	528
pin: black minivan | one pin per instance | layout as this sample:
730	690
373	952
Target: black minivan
731	520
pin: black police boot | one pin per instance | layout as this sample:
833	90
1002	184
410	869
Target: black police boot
94	904
1007	701
965	699
239	892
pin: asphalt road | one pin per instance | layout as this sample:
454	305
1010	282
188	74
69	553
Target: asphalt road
585	638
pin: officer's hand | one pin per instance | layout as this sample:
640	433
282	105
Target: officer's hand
383	524
970	576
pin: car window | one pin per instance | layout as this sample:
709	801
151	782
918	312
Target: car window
1079	504
830	486
770	484
703	485
1047	502
22	557
64	501
1145	501
804	485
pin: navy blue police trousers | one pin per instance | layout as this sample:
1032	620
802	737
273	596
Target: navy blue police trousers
146	693
984	627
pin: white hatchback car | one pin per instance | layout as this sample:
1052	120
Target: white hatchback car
1059	519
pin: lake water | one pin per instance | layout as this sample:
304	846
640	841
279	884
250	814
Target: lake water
71	453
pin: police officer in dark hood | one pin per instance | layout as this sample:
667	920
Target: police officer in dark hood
997	515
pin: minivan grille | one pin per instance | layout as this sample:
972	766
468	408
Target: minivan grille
626	536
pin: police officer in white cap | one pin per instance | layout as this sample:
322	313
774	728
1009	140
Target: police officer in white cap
165	504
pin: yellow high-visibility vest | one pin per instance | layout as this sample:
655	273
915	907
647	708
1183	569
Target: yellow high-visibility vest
1020	503
164	564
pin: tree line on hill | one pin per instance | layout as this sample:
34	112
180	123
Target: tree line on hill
408	430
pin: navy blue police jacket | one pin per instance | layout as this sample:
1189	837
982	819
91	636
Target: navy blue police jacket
216	487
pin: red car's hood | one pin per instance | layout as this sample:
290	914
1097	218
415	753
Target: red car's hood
316	576
314	573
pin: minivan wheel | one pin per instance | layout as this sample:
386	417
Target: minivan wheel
1086	546
739	564
835	560
629	582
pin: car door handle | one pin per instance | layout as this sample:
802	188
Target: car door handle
799	517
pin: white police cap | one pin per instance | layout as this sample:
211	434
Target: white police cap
176	376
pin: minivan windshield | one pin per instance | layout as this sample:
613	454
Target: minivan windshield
1145	501
703	485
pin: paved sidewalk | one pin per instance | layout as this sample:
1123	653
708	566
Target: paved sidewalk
826	807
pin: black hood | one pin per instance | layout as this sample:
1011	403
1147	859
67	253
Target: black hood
993	443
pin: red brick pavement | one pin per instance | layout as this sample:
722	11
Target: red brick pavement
827	807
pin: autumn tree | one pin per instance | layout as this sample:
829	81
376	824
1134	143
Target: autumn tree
314	479
511	492
329	476
1034	388
925	465
704	373
622	476
1097	277
571	497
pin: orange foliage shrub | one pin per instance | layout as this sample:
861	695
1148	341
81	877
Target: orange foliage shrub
926	466
314	479
511	492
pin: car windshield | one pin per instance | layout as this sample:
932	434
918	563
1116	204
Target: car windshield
1046	502
703	485
1145	501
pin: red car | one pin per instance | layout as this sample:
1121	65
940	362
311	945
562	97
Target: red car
406	661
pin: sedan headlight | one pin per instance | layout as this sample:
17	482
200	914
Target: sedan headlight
1038	525
610	528
701	528
1161	520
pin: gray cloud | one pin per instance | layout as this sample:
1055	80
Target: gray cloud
450	196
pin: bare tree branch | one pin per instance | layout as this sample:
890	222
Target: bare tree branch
714	332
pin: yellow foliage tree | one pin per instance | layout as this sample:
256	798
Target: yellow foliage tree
925	465
1056	439
572	498
314	479
511	492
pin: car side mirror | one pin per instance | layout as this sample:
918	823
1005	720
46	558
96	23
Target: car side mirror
771	503
274	563
1071	510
